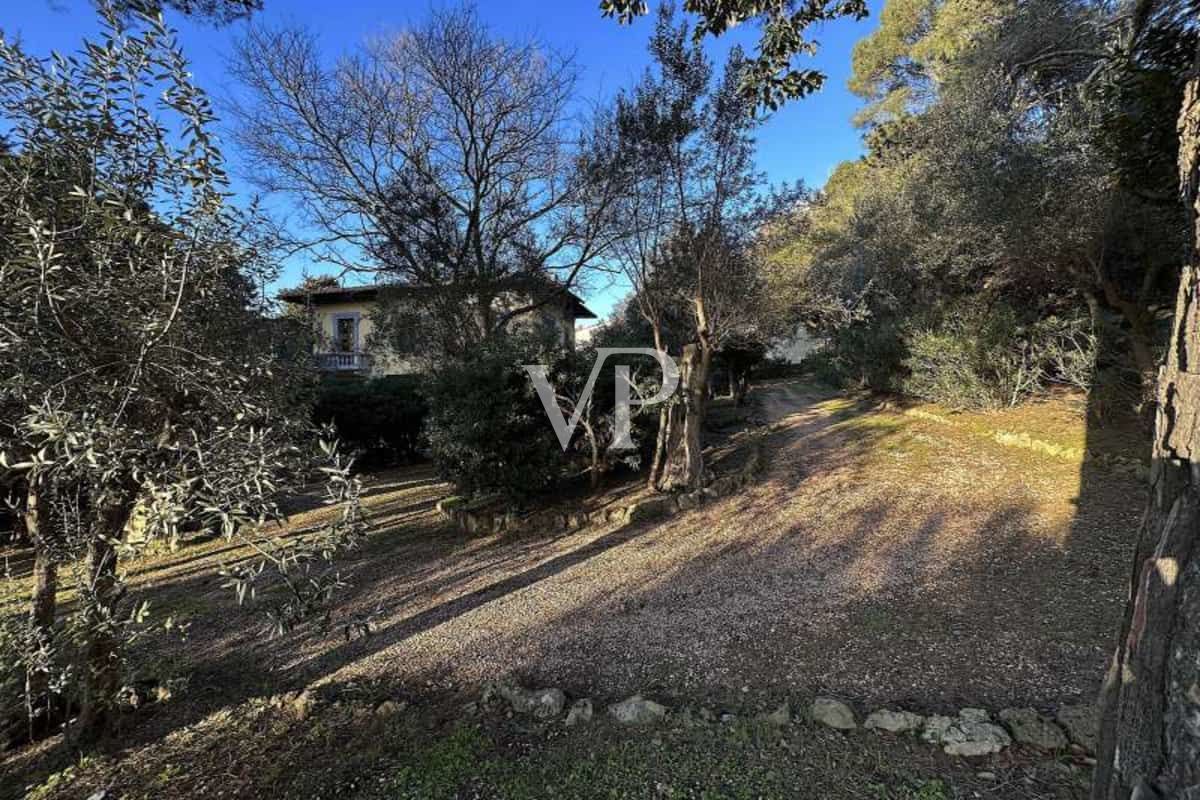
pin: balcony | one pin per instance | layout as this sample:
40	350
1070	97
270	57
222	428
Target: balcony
344	362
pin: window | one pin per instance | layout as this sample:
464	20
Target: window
345	334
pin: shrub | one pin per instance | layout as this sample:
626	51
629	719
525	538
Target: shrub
382	418
775	368
990	358
487	430
820	364
867	354
954	367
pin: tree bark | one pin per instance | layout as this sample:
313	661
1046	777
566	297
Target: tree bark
665	421
43	605
597	458
684	469
1150	733
740	387
102	652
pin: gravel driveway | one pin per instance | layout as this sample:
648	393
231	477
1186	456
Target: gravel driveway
879	558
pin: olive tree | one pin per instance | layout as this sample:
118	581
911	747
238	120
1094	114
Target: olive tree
771	78
689	215
136	369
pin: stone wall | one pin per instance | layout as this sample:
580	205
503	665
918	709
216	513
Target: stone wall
488	516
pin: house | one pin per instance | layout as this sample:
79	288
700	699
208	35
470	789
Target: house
795	348
345	320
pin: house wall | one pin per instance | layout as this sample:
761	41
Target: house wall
385	362
555	317
794	349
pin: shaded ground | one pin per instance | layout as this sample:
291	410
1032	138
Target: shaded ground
884	556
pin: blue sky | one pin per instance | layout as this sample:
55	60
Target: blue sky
804	140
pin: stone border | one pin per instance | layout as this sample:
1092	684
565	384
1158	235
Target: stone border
487	516
972	732
1024	441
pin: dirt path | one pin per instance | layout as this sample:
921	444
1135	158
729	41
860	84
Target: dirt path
780	400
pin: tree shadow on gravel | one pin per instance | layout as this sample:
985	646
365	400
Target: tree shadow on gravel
829	574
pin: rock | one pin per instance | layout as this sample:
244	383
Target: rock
300	704
478	523
728	717
968	734
894	721
389	708
986	776
727	484
580	713
128	699
541	703
448	505
707	715
547	703
1082	723
1031	728
651	508
833	713
777	718
935	728
983	741
637	710
687	501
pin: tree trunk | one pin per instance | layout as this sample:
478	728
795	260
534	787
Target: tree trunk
684	469
596	456
740	387
666	421
102	652
1150	734
666	413
43	605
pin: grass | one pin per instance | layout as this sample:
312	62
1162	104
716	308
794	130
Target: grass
345	751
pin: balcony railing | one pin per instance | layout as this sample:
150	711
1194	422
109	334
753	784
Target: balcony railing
344	362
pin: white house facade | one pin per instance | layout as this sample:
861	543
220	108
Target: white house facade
345	318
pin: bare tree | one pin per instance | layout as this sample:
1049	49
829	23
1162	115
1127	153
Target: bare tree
442	157
214	12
